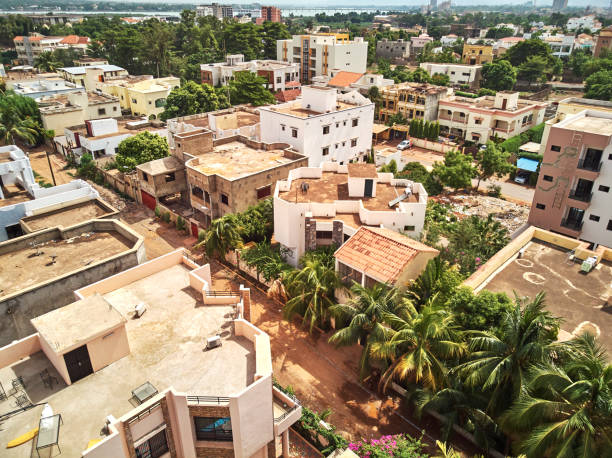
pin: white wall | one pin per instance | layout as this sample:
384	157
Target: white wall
601	205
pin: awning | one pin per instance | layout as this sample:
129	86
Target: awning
378	128
531	165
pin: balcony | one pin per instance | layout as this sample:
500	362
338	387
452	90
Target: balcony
287	410
208	400
593	166
581	196
572	224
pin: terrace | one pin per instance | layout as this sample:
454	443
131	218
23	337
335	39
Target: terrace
68	216
165	345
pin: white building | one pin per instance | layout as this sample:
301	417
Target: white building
319	54
319	206
214	9
561	45
349	81
42	87
15	170
101	137
449	40
504	115
87	76
585	22
322	124
458	73
276	73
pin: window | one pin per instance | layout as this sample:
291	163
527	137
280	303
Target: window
149	102
325	130
344	124
547	178
213	428
355	122
594	218
409	228
324	234
610	156
478	121
294	133
325	151
114	108
170	177
540	206
609	227
279	79
603	188
264	191
555	148
102	111
353	142
197	192
134	101
224	199
283	127
153	447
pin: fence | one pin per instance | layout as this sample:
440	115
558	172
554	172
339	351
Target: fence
124	183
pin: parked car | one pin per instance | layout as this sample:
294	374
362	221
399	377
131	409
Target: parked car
404	144
522	177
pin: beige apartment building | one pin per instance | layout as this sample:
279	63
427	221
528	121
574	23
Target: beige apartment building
157	361
30	47
475	54
572	195
411	100
141	95
504	116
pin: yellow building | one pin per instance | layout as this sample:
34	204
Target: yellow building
142	97
477	54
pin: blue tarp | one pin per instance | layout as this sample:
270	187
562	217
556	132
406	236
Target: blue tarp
531	165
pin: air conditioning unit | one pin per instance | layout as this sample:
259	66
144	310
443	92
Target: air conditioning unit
213	342
139	309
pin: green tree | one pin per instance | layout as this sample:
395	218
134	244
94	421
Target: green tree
566	409
416	171
193	98
420	75
47	62
267	260
456	171
247	87
499	362
437	280
533	70
221	237
271	32
599	86
482	311
311	291
360	320
140	148
417	347
522	51
498	76
20	119
492	161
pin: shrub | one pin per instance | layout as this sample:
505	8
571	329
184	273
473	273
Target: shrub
466	94
535	133
485	91
157	212
87	167
494	190
534	156
398	445
415	171
201	235
180	223
166	217
110	165
533	179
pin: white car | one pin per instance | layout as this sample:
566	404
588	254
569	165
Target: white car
521	177
405	144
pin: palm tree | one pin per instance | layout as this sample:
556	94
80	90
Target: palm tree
566	410
362	316
437	279
221	237
417	346
311	291
19	119
47	62
499	362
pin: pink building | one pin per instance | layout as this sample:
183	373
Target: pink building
269	14
157	361
572	195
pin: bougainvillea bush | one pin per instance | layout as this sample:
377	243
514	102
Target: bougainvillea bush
398	445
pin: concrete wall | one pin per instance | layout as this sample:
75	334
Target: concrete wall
19	349
108	348
56	360
19	308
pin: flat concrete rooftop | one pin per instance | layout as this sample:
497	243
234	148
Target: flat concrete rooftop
26	267
67	216
295	108
14	196
591	124
236	159
571	295
167	349
333	186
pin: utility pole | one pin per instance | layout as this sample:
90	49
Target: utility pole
50	168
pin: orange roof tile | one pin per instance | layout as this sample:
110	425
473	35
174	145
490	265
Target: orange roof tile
293	84
74	40
288	95
380	253
344	79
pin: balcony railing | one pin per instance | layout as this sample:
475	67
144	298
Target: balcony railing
207	400
582	197
589	165
572	224
286	414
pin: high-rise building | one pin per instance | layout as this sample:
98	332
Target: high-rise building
572	195
269	14
216	10
558	5
433	5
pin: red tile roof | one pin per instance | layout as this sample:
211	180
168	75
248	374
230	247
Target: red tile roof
288	95
293	84
74	40
380	253
344	79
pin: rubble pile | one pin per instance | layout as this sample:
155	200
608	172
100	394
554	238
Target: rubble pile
512	216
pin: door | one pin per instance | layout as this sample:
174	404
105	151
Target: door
194	229
78	363
369	184
148	200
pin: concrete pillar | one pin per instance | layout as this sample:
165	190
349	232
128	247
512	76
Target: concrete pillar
338	233
286	444
310	233
246	302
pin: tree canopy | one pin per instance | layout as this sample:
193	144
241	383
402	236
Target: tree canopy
193	98
247	87
498	76
599	85
456	171
140	148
